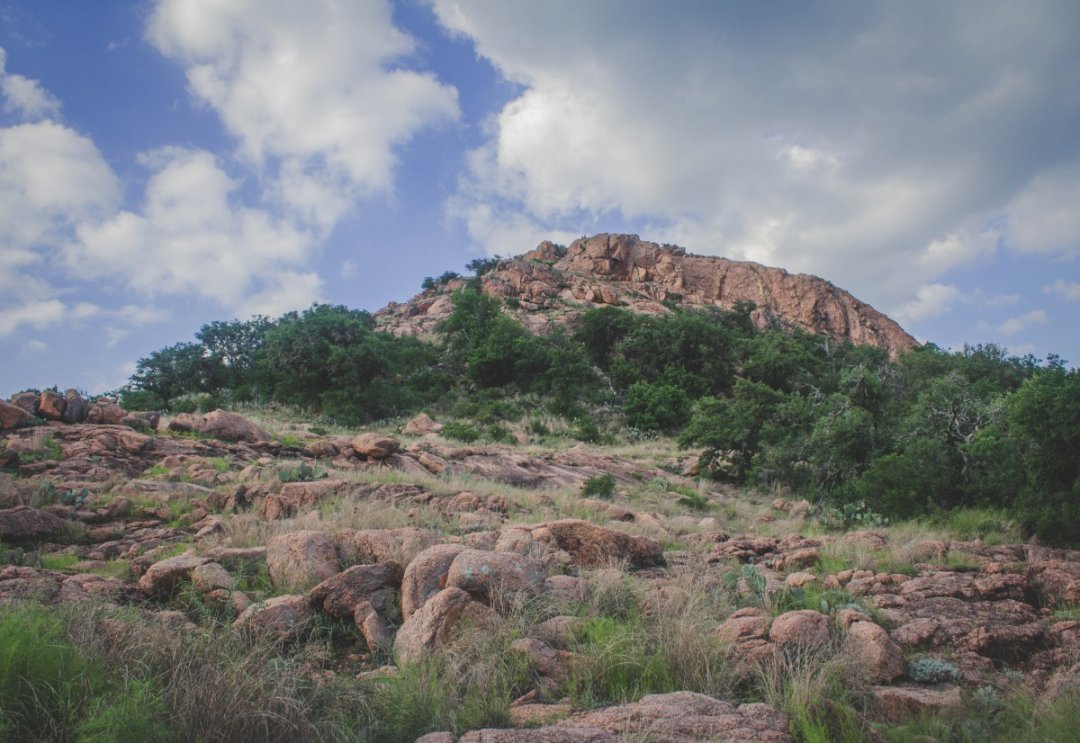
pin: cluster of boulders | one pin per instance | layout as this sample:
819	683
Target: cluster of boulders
70	407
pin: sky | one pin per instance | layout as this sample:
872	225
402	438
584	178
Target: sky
167	163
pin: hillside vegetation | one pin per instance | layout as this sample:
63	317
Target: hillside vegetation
865	438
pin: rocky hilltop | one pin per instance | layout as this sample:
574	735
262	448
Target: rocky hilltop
552	285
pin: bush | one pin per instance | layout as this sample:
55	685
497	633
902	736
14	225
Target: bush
656	407
932	670
463	432
601	486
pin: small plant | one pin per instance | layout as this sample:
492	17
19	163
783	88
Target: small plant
463	432
318	430
537	427
600	486
932	670
588	431
292	441
303	472
692	499
1069	612
220	464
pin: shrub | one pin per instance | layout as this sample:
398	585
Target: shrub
460	432
932	670
600	486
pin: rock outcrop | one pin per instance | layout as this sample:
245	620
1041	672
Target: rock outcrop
553	286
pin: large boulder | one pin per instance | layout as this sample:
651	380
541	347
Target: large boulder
486	576
220	425
435	623
161	579
805	629
28	401
898	703
301	559
282	618
421	425
425	576
375	445
22	524
105	412
12	415
51	405
75	407
339	595
357	546
586	544
875	654
296	497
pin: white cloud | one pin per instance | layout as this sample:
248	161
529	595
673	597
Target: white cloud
314	92
38	315
1014	325
191	237
1066	289
25	97
931	300
35	345
864	146
1044	217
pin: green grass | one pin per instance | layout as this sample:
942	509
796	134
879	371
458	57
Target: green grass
57	562
52	690
615	662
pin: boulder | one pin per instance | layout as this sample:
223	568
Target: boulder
425	576
488	575
550	663
301	559
372	626
220	425
75	407
339	595
282	618
12	415
898	703
23	524
383	545
28	401
161	579
586	544
296	497
421	425
435	623
105	412
375	445
805	629
51	405
211	576
875	653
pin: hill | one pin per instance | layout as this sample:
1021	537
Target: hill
553	286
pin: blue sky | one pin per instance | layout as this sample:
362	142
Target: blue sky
171	162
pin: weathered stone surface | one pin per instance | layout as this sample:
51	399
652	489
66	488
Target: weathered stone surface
211	576
585	544
105	412
22	524
28	401
301	559
375	446
554	665
678	717
296	497
425	576
340	594
874	652
434	624
12	415
283	618
162	577
486	576
383	545
51	405
897	703
421	425
805	628
221	425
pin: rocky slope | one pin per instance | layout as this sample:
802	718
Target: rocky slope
552	285
921	623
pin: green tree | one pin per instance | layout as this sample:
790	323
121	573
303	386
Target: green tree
173	371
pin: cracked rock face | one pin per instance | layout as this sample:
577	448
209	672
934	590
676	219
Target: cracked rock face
554	286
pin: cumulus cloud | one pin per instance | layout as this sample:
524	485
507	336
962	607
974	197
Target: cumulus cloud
876	146
192	237
25	97
930	300
1014	325
1066	289
316	93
